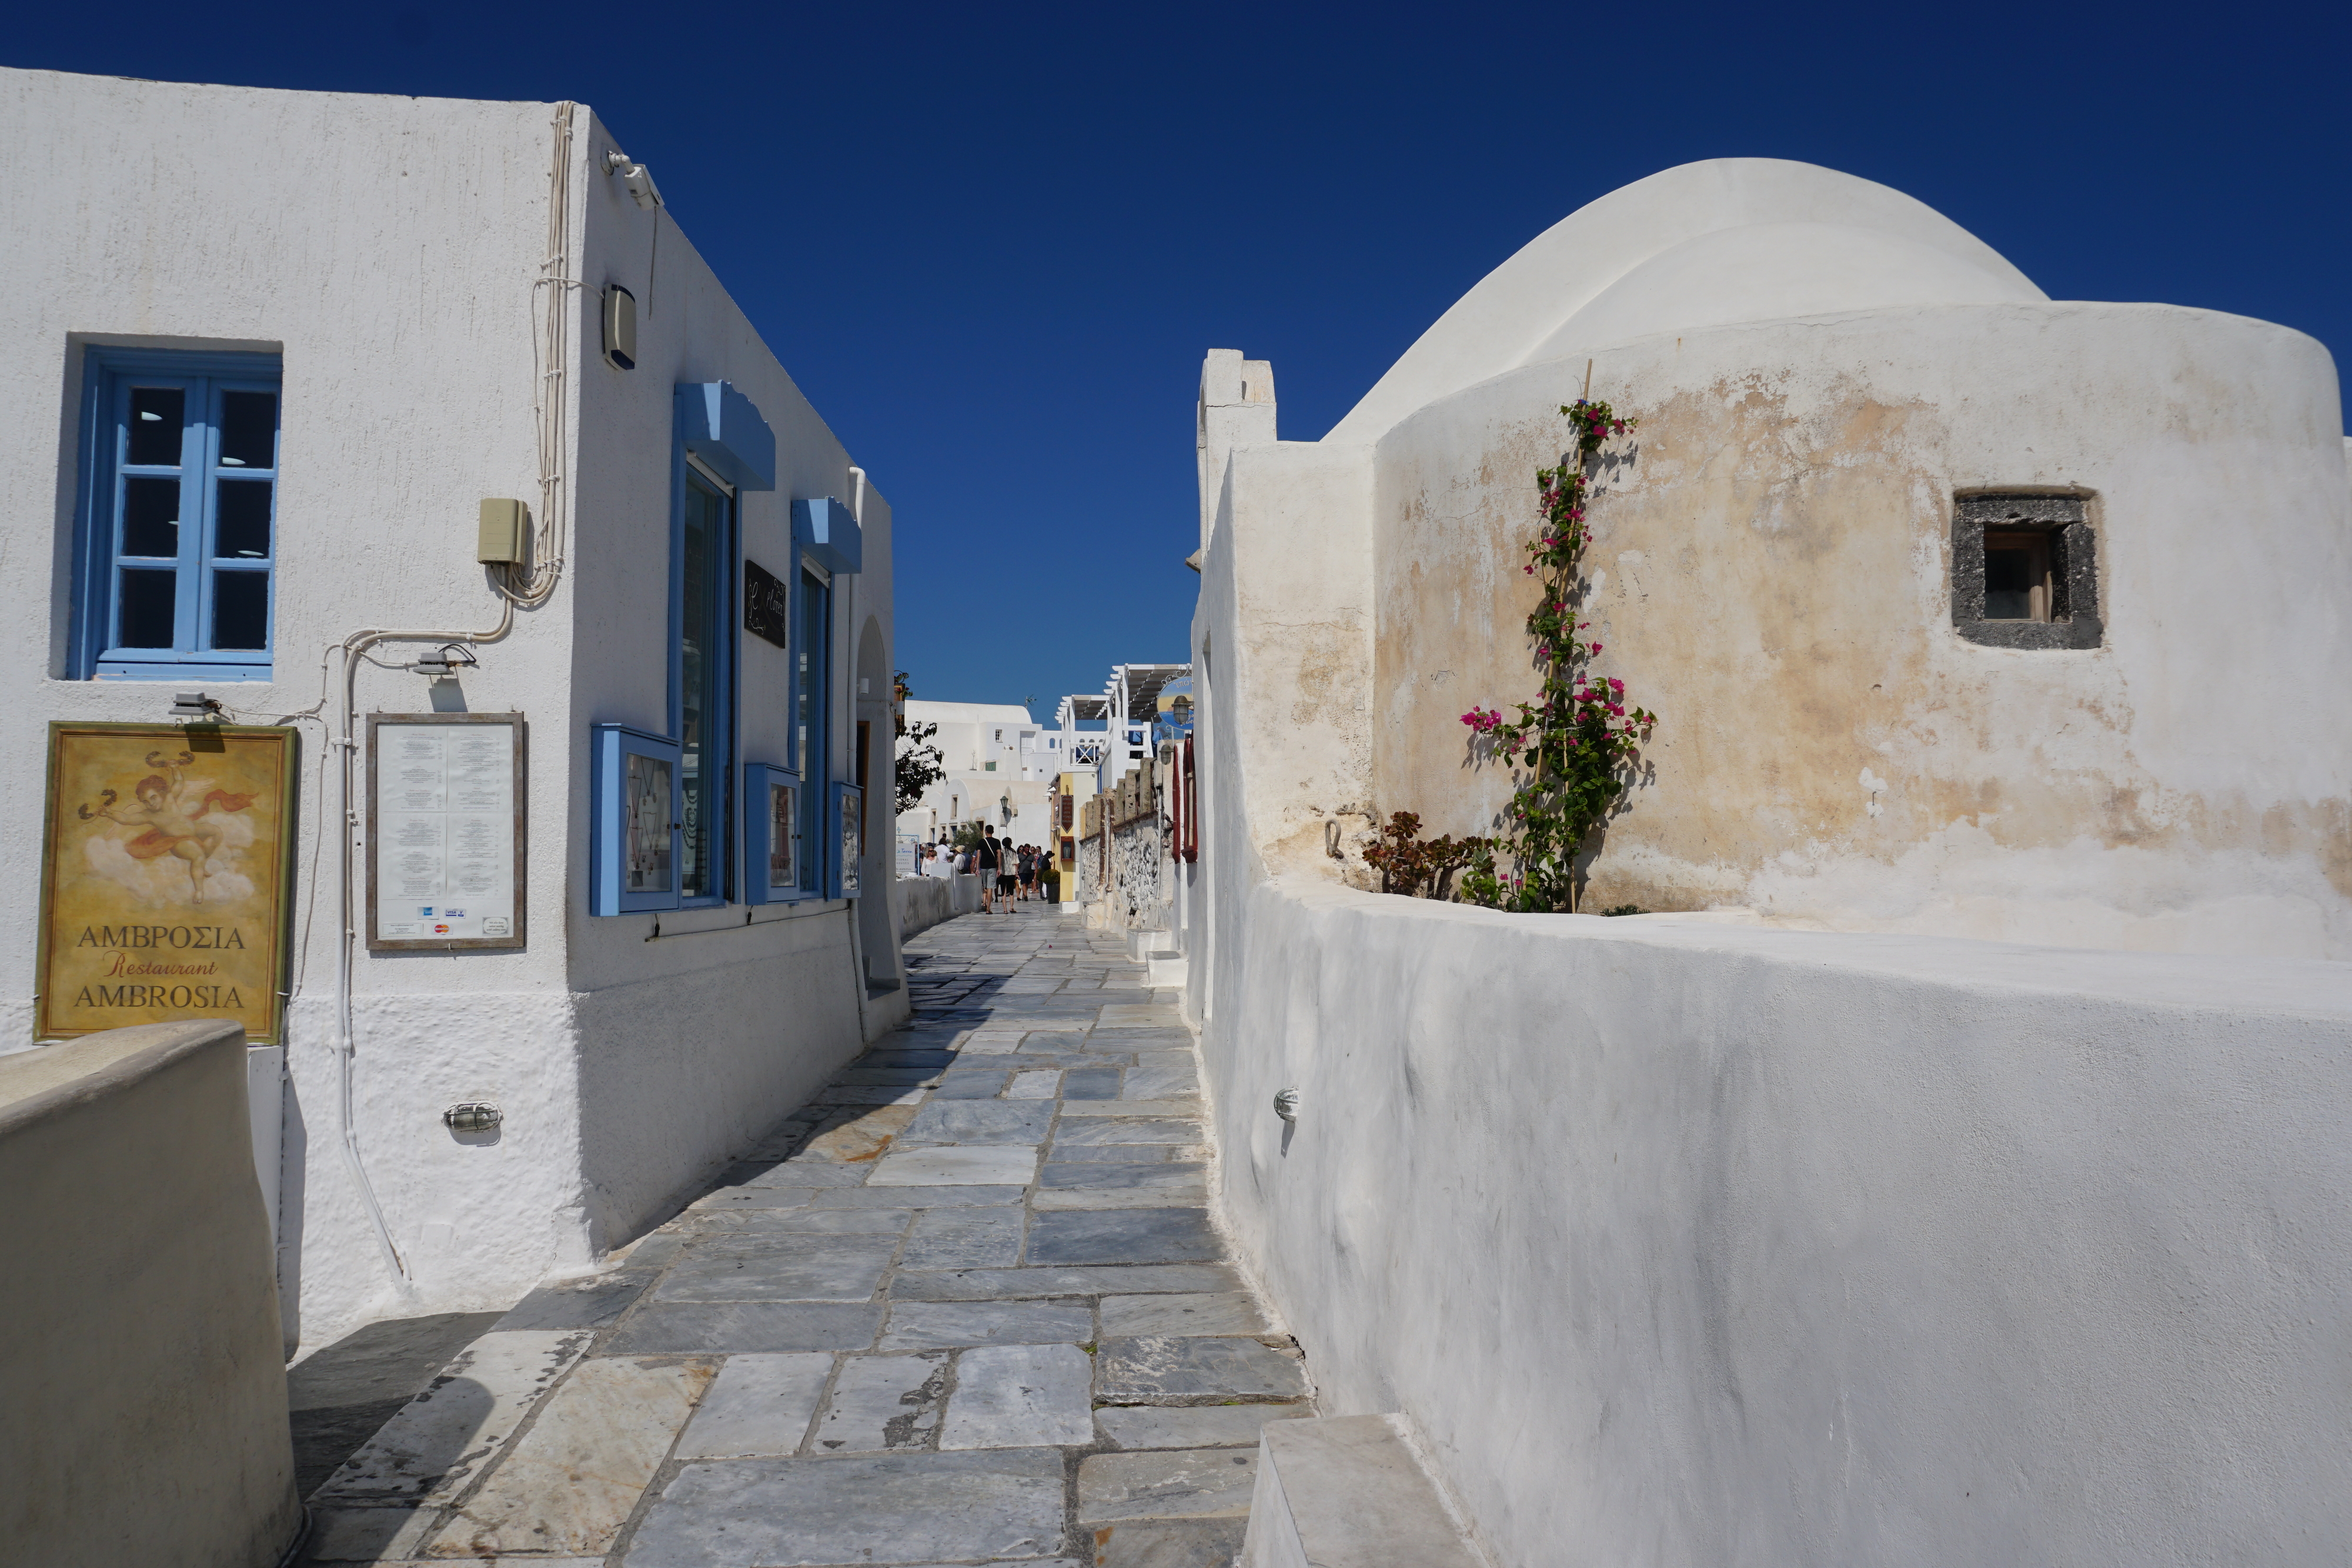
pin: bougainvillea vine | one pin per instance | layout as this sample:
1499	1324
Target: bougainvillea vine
1573	749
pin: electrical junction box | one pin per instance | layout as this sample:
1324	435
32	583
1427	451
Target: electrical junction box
620	328
506	524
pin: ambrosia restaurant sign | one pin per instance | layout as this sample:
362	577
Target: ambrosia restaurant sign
163	876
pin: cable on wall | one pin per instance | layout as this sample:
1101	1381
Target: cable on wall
551	379
525	587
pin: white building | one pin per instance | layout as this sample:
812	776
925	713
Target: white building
998	762
1957	1172
1112	733
430	302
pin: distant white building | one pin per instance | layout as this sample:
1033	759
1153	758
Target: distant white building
999	763
354	319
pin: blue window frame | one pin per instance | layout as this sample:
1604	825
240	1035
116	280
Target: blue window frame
722	449
702	711
177	534
811	719
773	847
635	820
848	839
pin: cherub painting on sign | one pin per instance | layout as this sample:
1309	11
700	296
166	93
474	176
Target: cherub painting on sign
181	840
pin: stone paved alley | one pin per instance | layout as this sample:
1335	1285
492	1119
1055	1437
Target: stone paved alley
967	1307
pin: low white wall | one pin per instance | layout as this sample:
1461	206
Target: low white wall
1691	1245
925	901
143	1376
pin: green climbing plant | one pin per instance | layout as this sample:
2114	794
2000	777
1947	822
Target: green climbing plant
1572	751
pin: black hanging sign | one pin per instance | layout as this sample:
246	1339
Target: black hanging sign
767	609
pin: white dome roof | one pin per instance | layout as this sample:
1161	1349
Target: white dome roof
1706	244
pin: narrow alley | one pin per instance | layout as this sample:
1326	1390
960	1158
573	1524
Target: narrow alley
966	1307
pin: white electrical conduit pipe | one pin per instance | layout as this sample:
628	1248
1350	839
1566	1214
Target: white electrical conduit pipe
347	931
550	344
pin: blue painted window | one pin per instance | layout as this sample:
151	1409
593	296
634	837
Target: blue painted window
812	662
849	842
773	846
633	821
703	679
177	533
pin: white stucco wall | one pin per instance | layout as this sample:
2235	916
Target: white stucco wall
1770	569
386	247
1683	1243
1688	1246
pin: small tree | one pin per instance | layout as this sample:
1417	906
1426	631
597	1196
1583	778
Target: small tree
920	764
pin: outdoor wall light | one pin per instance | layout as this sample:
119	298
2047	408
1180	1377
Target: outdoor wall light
195	704
1286	1105
473	1116
634	178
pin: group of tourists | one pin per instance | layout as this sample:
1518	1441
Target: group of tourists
1007	871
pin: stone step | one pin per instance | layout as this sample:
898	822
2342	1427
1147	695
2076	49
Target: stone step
1142	944
1347	1492
1165	970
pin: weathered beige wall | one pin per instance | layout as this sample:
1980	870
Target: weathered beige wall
1770	560
140	1370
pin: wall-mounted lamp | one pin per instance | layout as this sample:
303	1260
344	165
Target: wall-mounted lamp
446	660
473	1116
1286	1105
195	704
634	178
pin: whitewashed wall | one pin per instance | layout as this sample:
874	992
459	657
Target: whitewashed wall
387	247
1688	1244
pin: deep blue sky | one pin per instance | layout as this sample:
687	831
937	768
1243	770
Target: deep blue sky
992	244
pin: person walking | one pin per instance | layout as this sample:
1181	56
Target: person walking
1028	872
1006	878
986	858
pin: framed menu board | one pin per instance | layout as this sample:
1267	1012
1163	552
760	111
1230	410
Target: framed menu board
445	831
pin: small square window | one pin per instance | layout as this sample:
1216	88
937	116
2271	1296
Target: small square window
177	522
2025	572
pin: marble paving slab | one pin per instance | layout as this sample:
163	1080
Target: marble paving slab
1225	1312
959	1165
1122	1236
1167	1483
1000	1284
782	1269
760	1406
980	1122
573	1480
882	1402
1171	1368
686	1327
1191	1426
1019	1396
964	1239
441	1440
919	1324
889	1508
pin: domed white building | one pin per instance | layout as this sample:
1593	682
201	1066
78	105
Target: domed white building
1845	400
1857	1207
